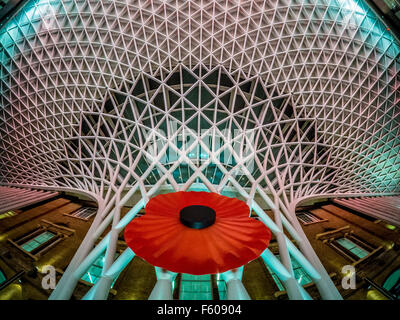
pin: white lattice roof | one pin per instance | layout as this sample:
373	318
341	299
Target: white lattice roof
310	90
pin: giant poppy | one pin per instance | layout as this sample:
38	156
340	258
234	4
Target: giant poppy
197	233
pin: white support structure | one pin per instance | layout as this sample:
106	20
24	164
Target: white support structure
163	288
235	289
122	100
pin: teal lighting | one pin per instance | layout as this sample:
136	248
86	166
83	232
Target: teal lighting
221	284
392	283
93	274
352	247
25	23
372	30
195	287
299	273
7	214
37	241
2	277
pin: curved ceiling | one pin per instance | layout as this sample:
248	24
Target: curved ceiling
86	86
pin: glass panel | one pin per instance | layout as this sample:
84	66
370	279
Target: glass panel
195	287
2	277
352	247
37	241
221	289
93	274
392	283
300	274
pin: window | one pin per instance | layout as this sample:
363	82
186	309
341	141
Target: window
352	247
221	288
299	273
37	241
93	274
348	244
83	213
307	217
2	277
195	287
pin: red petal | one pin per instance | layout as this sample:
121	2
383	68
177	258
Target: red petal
232	241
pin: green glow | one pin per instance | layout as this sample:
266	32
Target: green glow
352	247
372	30
24	24
300	274
93	274
221	289
37	241
195	287
355	12
392	283
7	214
2	277
390	227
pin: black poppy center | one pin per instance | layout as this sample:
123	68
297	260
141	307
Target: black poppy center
197	217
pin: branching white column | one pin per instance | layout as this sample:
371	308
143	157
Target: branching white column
163	288
234	286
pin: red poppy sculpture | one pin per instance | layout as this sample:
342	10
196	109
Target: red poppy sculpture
197	233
